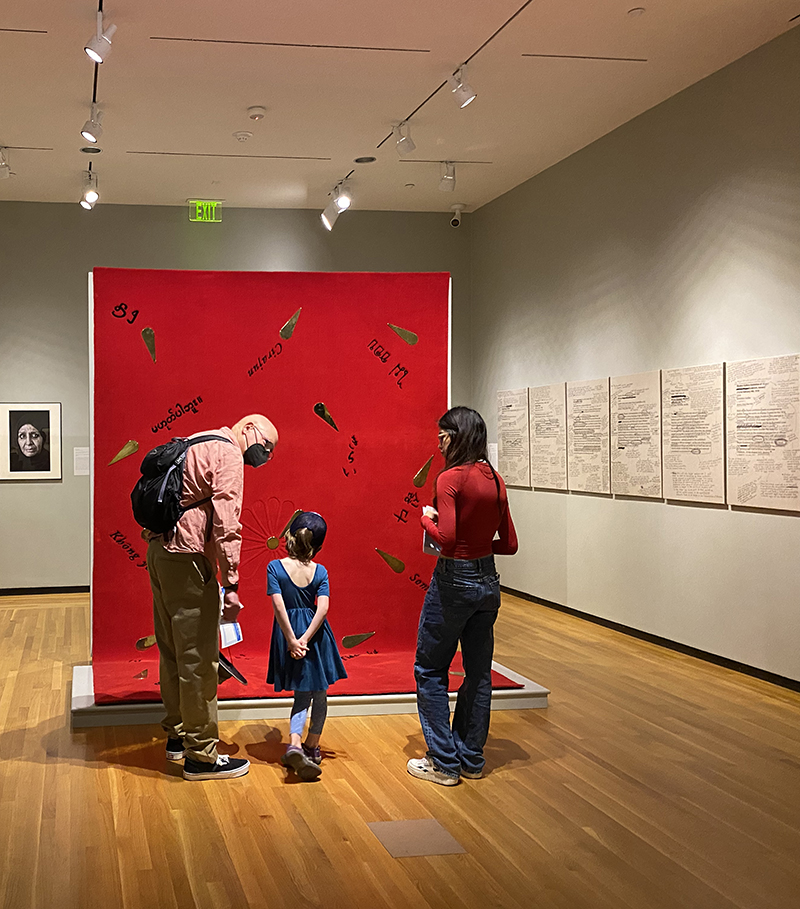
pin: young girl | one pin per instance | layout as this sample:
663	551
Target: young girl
303	656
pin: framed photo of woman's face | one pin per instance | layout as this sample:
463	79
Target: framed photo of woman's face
30	441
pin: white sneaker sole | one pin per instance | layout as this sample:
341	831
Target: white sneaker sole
432	776
175	755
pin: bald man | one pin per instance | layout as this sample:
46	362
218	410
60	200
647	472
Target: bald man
183	577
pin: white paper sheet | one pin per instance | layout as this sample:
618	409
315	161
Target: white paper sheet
636	435
547	406
513	451
80	462
692	438
763	403
587	436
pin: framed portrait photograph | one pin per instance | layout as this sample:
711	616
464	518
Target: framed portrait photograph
30	441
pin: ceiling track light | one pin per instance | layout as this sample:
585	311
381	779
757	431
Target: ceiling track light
463	92
92	130
341	200
342	196
5	167
447	183
98	47
90	190
402	135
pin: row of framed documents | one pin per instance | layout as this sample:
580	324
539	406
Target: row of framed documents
724	434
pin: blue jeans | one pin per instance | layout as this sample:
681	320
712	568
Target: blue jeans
461	605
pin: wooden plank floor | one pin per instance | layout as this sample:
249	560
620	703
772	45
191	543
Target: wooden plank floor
653	781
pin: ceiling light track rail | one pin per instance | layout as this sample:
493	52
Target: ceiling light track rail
25	31
472	56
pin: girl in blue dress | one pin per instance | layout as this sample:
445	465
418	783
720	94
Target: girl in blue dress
303	656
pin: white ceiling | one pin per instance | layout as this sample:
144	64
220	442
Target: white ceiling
329	105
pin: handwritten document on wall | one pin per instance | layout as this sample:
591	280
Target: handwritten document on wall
692	440
636	435
548	419
587	436
763	402
512	437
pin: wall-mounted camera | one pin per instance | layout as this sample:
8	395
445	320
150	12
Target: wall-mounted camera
456	214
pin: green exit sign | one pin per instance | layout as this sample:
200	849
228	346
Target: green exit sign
205	210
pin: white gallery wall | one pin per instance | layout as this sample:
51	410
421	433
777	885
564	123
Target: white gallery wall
674	241
46	252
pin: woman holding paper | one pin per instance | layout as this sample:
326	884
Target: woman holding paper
471	507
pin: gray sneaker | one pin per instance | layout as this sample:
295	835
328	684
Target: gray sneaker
423	769
471	774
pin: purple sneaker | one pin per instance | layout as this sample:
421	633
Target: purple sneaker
313	754
295	760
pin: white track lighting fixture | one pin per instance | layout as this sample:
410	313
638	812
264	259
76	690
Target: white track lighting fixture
341	199
92	130
342	196
5	167
402	135
464	93
329	216
98	47
447	183
90	192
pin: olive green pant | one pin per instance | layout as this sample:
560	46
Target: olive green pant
186	616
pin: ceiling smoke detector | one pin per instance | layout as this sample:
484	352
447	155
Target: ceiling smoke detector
257	112
242	135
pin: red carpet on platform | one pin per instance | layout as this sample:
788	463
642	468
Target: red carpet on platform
120	681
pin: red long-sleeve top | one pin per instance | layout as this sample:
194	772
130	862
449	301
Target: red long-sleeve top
470	514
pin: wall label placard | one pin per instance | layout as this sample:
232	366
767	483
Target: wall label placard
206	210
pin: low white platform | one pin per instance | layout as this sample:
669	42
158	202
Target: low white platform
86	713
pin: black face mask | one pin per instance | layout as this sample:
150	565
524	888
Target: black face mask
256	455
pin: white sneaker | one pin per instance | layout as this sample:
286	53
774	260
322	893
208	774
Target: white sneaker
423	769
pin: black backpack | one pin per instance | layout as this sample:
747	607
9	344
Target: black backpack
156	497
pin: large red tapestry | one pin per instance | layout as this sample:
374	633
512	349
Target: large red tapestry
352	369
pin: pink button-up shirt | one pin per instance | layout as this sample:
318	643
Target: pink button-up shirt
213	469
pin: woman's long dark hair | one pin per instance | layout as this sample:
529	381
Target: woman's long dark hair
467	433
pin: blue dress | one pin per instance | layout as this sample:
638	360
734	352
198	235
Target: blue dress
322	665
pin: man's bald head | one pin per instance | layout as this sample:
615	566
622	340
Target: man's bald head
254	428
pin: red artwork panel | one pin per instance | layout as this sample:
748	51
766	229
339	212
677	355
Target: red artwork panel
352	369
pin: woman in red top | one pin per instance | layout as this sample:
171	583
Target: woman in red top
462	601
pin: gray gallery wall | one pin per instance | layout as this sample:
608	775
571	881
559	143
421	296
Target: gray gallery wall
46	251
673	241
